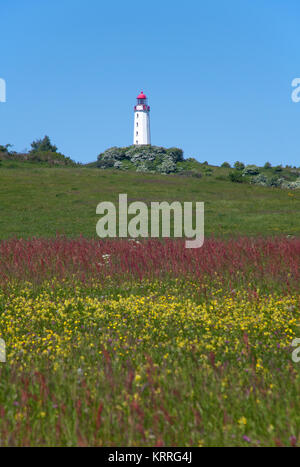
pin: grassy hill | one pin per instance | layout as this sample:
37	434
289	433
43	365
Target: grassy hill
42	154
160	160
36	201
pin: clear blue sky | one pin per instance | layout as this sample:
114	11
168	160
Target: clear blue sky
217	73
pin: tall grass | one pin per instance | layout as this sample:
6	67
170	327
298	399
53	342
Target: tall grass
267	263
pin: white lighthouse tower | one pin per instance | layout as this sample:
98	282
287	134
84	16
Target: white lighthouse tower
141	131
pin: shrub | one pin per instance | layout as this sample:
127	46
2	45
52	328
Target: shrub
167	166
208	171
236	177
176	154
239	165
275	182
260	179
292	185
251	170
143	158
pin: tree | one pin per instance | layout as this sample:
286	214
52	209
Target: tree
226	165
267	165
43	145
239	165
5	148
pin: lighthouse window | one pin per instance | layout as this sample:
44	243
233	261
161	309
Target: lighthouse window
136	142
137	133
137	115
137	124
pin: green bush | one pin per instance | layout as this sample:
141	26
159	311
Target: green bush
292	185
208	171
146	158
176	154
239	165
275	182
236	177
251	170
260	179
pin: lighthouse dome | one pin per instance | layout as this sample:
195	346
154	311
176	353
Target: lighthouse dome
141	96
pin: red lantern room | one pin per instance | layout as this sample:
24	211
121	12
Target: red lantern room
142	101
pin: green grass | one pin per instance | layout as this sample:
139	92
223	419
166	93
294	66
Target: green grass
37	201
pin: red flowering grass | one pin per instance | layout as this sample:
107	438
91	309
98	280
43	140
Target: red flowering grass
259	262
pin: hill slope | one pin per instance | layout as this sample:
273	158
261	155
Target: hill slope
42	202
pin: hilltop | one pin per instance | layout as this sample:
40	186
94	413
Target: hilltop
42	153
160	160
149	159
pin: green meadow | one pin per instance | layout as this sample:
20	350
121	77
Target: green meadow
38	201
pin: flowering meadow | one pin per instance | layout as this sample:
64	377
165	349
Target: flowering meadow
147	343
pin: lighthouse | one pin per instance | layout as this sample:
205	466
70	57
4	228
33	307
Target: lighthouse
141	131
